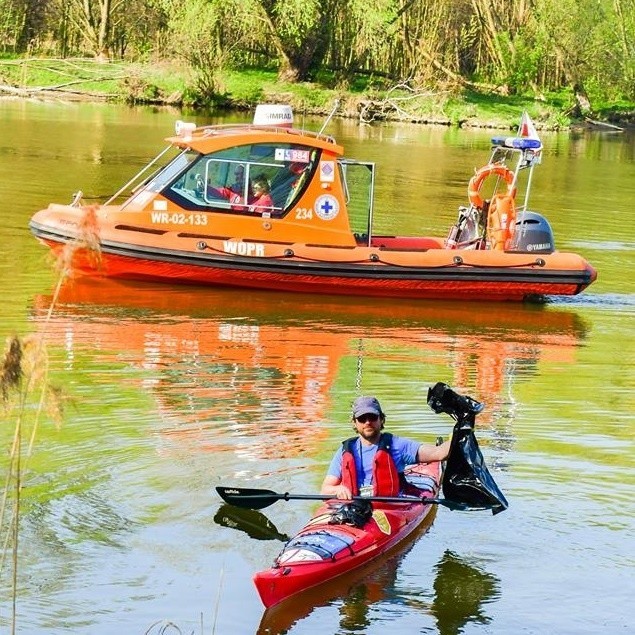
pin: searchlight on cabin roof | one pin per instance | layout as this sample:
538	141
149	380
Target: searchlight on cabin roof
184	129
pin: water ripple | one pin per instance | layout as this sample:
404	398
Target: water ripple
610	301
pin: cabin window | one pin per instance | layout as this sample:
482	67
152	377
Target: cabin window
263	179
358	179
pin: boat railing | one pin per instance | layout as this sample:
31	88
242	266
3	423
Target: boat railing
527	153
516	154
136	181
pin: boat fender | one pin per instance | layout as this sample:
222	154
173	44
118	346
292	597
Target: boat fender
476	182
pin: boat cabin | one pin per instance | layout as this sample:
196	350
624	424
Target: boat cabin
265	182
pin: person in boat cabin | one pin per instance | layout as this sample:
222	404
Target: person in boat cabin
234	192
261	198
289	178
238	186
373	462
286	183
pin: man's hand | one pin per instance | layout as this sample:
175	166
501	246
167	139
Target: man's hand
343	493
332	486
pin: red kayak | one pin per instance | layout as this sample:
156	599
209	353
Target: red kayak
343	536
323	550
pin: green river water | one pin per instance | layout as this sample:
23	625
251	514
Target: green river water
170	391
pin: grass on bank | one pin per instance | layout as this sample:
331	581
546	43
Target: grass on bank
367	98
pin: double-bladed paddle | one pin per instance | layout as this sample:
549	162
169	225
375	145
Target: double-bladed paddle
261	498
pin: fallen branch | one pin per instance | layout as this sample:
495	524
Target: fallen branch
63	88
603	123
392	107
461	81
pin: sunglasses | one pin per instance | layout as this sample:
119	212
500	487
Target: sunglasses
367	417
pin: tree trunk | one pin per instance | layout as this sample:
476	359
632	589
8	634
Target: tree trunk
300	58
582	102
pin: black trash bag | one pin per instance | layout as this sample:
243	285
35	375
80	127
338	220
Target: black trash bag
466	478
356	513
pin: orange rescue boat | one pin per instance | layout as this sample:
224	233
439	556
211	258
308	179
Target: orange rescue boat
270	206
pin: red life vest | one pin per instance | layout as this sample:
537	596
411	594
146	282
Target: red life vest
385	476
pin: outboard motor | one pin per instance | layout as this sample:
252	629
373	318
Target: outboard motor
532	234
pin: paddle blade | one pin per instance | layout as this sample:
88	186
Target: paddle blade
248	498
466	478
254	523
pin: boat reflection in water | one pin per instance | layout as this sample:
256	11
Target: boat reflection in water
243	372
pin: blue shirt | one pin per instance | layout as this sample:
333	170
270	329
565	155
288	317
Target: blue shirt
403	452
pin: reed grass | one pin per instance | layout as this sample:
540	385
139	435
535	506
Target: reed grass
28	396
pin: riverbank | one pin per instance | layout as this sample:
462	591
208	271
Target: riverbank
366	100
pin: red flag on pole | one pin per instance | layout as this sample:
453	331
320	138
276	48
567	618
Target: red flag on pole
527	128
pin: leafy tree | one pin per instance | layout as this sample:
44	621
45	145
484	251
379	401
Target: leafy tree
511	46
22	22
95	18
571	34
300	34
364	34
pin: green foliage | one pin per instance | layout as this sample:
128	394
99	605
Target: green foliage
524	66
585	47
250	87
294	18
76	74
194	31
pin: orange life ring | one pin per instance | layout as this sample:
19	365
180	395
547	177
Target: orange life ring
474	186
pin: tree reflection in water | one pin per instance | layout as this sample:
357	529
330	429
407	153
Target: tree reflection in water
460	591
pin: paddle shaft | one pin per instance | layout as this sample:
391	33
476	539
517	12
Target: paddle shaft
261	498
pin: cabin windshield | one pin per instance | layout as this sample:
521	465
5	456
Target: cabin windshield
264	178
176	166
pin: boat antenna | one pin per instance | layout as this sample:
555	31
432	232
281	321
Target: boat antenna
333	110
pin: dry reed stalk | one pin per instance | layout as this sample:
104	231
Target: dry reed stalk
24	370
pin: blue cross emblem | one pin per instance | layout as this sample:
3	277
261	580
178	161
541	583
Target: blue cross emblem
327	207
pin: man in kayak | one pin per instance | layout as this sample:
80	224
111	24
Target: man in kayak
373	462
